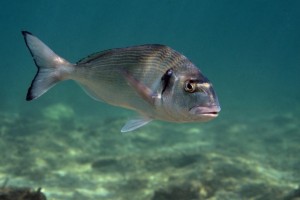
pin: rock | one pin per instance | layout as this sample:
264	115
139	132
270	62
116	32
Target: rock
12	193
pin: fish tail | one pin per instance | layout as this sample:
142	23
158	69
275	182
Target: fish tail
51	67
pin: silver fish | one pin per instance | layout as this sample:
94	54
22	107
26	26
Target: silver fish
154	80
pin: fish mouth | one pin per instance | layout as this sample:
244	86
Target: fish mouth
209	112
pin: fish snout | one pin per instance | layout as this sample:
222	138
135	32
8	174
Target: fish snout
206	112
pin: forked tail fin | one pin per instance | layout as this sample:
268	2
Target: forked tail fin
51	67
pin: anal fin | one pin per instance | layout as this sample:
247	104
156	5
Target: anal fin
135	124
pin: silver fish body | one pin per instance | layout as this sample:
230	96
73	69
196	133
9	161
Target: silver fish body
154	80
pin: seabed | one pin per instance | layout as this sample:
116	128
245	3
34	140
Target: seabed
72	158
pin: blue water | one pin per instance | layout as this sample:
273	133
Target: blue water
250	51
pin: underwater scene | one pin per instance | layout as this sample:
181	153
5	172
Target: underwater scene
64	145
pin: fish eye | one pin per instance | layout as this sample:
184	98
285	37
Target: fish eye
190	86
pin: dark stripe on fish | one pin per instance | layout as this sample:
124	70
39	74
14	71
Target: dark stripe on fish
166	79
152	54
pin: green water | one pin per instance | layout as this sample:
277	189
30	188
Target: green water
71	146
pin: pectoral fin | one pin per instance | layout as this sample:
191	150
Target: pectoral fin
145	92
135	124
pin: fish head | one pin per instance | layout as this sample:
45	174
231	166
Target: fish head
190	96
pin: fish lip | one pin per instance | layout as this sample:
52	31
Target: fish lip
210	111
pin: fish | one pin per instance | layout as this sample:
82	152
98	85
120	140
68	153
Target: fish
154	80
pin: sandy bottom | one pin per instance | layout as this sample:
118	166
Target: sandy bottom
71	158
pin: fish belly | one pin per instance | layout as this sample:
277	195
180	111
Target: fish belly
110	86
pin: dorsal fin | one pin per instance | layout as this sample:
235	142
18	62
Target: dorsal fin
94	56
146	49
